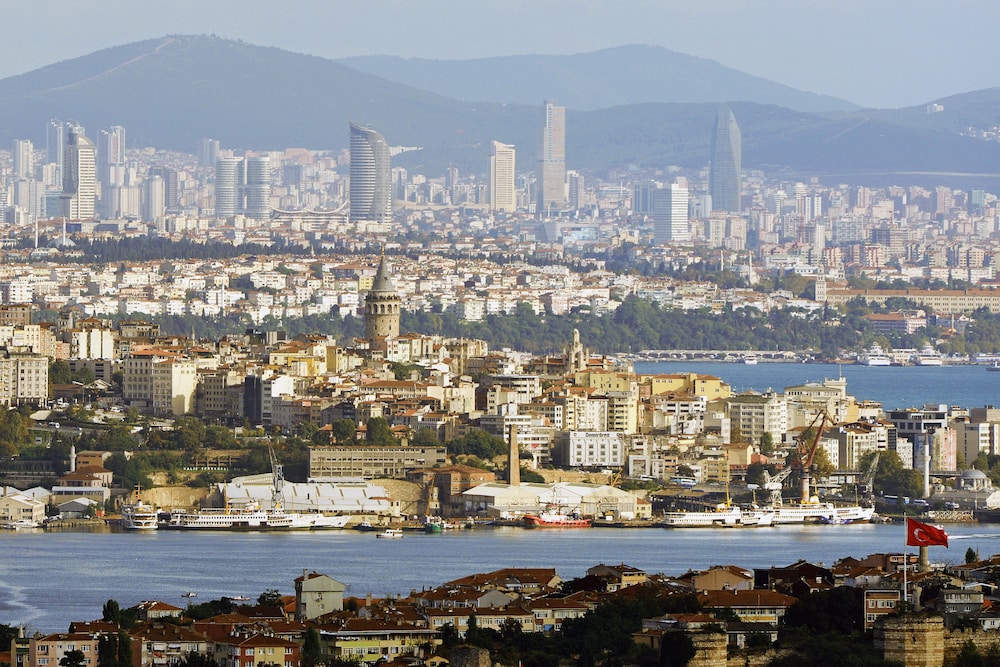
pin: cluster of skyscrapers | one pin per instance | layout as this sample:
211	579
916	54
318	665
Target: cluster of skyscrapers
82	179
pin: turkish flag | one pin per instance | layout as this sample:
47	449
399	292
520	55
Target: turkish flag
924	535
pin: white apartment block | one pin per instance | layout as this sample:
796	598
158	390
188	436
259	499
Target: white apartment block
589	449
174	384
24	377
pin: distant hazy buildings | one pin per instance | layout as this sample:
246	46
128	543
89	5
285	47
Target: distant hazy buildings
371	177
727	150
670	214
503	195
552	159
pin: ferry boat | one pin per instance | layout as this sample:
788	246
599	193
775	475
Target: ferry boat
249	518
928	356
721	517
994	367
551	518
750	360
875	356
139	516
822	513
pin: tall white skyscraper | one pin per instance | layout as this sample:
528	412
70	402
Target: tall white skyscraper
371	176
552	159
24	158
503	195
670	214
55	144
154	199
227	170
79	176
257	187
111	156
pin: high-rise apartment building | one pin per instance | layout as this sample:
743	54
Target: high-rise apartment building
371	178
257	187
208	152
227	170
24	158
55	143
171	186
154	198
111	156
503	195
670	214
727	150
79	176
552	159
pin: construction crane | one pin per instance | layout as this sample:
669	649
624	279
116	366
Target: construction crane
774	484
805	451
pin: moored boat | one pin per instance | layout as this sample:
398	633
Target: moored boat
139	516
724	516
554	519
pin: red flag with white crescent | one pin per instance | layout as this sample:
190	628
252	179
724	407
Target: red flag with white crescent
924	535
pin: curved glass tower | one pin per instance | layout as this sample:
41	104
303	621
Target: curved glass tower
371	185
727	149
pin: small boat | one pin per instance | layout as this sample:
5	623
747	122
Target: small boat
189	594
390	533
236	598
366	527
994	367
22	524
750	360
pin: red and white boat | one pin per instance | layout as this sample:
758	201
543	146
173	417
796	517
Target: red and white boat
553	519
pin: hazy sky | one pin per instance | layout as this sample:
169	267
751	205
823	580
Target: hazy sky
884	53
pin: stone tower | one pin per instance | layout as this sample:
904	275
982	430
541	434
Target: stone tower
382	306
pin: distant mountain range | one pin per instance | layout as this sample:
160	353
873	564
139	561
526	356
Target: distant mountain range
620	76
171	92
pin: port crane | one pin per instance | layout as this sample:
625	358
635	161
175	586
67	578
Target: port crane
278	479
773	485
805	451
866	487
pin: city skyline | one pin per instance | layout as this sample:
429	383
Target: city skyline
949	53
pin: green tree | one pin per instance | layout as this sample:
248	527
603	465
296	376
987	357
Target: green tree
767	444
124	649
378	432
269	598
74	658
971	556
59	372
107	650
111	611
311	650
343	431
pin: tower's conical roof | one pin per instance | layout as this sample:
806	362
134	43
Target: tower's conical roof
383	282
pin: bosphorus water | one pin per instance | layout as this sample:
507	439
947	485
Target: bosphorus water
48	579
893	386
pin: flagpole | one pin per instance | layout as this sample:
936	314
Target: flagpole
906	538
